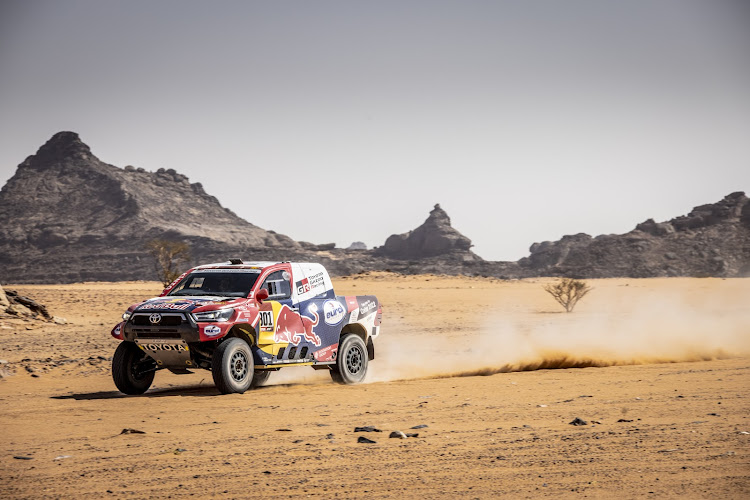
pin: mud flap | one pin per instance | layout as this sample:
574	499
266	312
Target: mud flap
370	350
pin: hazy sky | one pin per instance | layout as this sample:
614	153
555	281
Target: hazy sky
348	120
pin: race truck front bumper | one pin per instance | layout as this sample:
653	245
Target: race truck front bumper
161	325
164	336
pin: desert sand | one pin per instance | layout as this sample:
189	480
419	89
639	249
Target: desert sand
659	369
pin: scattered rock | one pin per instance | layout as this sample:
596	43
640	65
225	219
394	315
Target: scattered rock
132	431
397	434
58	320
283	430
420	426
62	457
624	420
578	421
362	439
23	457
4	303
367	428
24	306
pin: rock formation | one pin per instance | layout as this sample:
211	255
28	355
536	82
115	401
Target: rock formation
712	240
67	216
436	237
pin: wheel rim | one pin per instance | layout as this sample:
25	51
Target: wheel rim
354	359
139	367
238	366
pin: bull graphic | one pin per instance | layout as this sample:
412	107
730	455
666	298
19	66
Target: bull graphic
288	322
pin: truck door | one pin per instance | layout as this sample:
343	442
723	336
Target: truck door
283	332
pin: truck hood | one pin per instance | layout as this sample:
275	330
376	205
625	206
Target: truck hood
186	304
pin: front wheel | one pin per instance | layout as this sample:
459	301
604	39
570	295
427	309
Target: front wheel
351	363
232	366
132	369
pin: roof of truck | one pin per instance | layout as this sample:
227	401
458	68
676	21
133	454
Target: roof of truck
259	265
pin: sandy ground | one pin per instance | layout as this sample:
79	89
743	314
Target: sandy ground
659	370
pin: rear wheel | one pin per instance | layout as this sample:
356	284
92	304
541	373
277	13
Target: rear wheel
232	366
260	377
132	369
351	363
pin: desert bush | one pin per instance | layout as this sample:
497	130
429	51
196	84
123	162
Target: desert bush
567	292
168	255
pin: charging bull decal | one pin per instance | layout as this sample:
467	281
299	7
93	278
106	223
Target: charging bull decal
288	322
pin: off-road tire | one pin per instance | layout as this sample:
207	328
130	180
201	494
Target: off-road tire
128	366
260	377
351	362
335	375
232	366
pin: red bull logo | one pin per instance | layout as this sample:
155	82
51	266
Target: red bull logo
288	324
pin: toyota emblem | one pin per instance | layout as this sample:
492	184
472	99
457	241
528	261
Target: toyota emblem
154	318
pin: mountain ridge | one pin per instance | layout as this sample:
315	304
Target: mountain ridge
67	216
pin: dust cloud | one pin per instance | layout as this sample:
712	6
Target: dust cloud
657	330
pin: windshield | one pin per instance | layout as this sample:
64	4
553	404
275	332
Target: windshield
218	282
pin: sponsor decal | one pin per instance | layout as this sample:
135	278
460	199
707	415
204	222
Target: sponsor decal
266	321
367	307
327	353
333	312
165	347
177	304
166	305
310	283
316	280
351	303
211	330
303	286
288	323
354	316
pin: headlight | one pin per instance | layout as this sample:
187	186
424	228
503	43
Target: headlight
218	315
126	315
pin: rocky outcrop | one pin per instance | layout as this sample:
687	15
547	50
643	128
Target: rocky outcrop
435	238
712	240
67	216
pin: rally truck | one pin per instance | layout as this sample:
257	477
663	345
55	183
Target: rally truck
243	320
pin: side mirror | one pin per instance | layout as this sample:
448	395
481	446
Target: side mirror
261	295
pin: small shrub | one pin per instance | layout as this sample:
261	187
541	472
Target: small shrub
567	292
168	255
